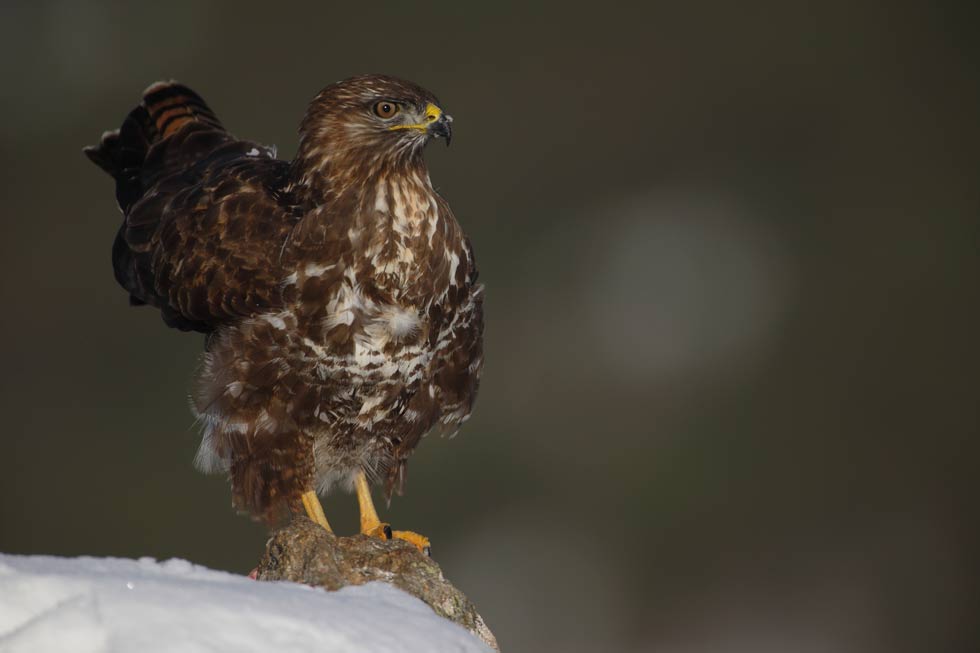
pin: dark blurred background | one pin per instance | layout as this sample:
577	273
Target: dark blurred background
730	252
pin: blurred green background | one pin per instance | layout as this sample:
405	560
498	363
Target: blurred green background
730	252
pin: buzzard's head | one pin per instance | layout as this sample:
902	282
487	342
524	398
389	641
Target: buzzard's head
376	116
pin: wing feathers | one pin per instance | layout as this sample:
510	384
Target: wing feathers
203	223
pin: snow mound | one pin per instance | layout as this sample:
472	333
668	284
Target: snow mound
96	605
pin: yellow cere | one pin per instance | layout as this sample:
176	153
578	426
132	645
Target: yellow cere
432	113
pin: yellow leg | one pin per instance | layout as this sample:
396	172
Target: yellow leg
374	527
370	524
315	510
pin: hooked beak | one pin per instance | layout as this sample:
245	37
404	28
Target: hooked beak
442	128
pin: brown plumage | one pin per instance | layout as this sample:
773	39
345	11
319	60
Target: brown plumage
337	291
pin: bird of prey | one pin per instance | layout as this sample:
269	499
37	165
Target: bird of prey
337	291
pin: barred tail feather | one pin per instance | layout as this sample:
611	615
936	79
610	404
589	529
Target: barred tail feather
166	107
171	105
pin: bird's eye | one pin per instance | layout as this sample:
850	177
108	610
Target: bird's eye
385	109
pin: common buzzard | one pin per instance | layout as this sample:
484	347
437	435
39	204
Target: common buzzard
337	291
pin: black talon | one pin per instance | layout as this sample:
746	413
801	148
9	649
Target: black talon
387	532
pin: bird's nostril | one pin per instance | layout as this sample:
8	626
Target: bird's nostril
430	118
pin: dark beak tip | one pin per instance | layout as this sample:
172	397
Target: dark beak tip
442	128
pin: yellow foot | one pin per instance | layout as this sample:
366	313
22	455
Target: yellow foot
374	527
383	531
421	542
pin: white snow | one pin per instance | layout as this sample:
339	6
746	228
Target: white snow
96	605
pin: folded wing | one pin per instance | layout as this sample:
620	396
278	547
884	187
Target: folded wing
205	218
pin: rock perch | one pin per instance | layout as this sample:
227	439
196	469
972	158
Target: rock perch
303	552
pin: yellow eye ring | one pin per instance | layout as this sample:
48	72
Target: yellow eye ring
385	109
